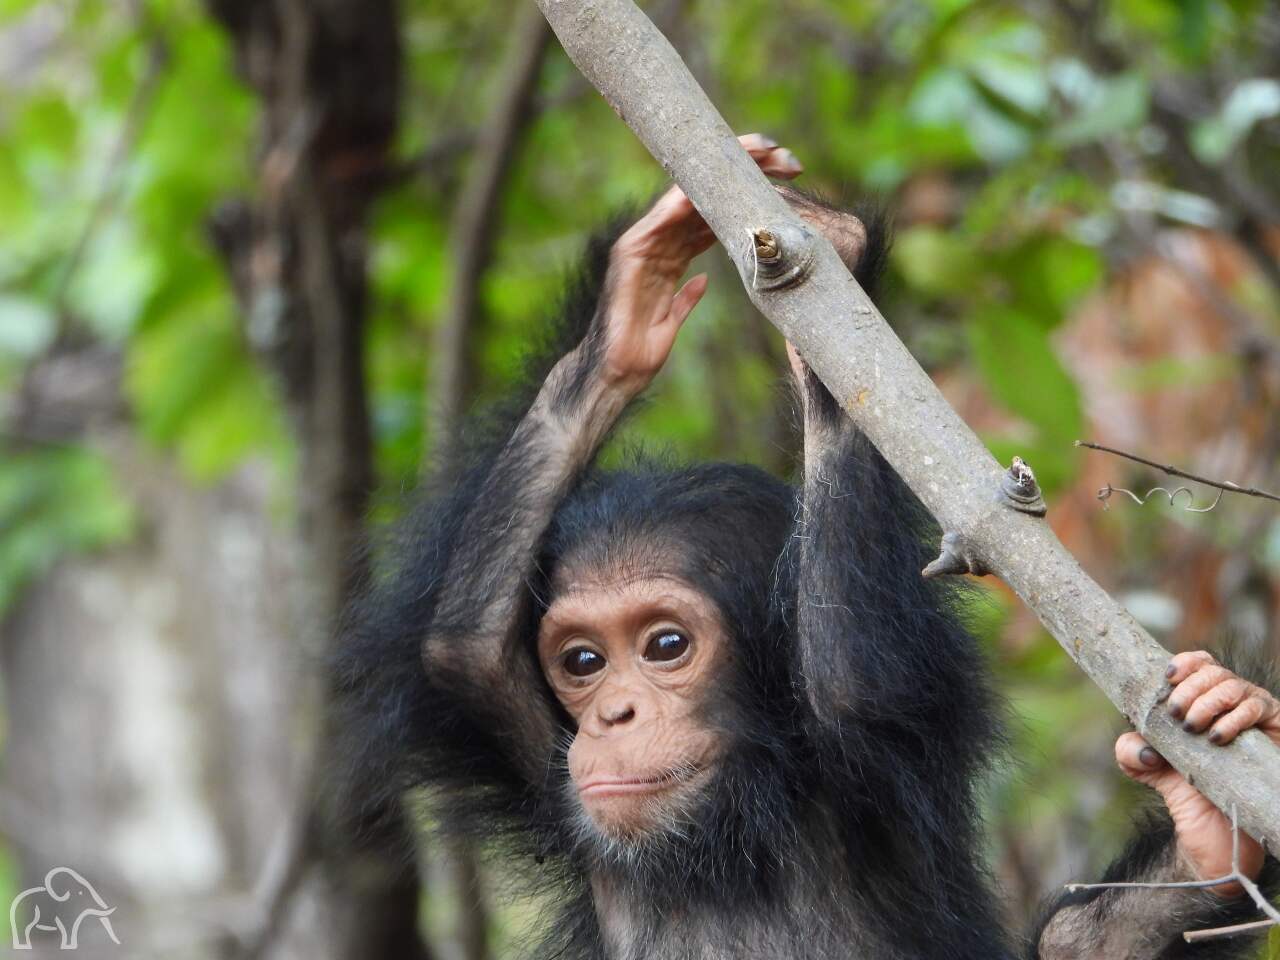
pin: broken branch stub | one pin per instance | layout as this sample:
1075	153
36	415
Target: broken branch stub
1019	491
957	557
779	257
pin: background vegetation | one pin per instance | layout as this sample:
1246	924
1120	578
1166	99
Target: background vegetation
255	257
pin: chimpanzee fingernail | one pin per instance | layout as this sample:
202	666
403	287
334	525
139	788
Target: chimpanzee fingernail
1188	727
789	158
1149	757
1173	668
1215	736
1175	711
769	142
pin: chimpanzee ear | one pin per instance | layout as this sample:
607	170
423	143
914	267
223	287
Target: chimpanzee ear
878	224
860	232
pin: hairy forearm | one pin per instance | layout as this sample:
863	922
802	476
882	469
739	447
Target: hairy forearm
826	622
873	639
483	587
1134	923
1139	923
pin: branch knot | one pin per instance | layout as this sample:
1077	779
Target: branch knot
1019	490
778	257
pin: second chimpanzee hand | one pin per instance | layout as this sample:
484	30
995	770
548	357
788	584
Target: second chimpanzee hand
643	310
1206	697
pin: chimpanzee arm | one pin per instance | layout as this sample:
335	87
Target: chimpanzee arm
900	709
482	614
478	714
902	714
483	609
424	691
1145	924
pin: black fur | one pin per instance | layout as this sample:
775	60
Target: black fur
842	820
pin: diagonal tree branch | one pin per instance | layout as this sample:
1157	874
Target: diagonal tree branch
475	221
796	279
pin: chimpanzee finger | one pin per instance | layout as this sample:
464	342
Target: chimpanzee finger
1139	760
673	222
1243	717
686	299
1195	686
1214	702
795	360
774	160
1185	664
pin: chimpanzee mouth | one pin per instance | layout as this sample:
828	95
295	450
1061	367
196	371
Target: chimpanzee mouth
606	786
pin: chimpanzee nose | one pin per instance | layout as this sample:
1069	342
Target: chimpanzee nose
614	714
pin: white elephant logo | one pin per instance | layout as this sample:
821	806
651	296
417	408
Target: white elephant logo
64	902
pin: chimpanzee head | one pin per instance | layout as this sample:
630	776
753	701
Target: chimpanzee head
659	617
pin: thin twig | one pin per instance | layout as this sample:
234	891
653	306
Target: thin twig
1173	471
1104	494
1235	930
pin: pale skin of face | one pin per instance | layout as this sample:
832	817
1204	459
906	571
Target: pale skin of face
645	312
630	659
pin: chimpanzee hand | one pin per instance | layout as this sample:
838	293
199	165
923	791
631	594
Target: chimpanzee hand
643	311
1206	696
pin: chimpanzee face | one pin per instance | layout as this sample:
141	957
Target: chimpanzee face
631	659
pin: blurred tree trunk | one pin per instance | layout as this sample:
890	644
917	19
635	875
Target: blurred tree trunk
328	74
149	691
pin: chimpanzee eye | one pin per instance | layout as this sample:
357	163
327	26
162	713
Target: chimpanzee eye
583	662
666	646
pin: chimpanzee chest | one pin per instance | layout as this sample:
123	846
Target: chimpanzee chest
808	923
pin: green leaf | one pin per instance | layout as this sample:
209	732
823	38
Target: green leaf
1193	27
194	387
1048	274
1250	103
1273	944
1019	366
174	370
54	501
48	123
26	326
15	200
1116	105
1010	95
115	278
935	262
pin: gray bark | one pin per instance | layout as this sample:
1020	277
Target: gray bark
149	708
808	294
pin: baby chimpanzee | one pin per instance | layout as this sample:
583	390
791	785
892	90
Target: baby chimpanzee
719	716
